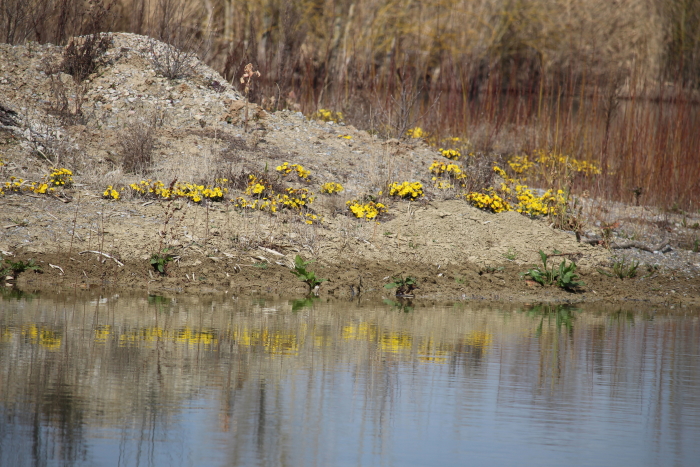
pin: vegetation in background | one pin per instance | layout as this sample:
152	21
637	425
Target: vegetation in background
609	83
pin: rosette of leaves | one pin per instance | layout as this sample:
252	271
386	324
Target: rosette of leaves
160	260
308	277
563	276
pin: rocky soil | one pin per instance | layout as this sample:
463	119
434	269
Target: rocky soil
455	251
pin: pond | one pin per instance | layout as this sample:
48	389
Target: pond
103	379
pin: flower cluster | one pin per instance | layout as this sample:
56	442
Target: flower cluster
368	211
267	200
296	198
520	164
550	159
18	185
441	171
193	192
312	218
406	190
111	193
263	204
451	154
513	195
258	187
286	169
60	177
538	206
416	132
488	201
445	175
327	116
331	187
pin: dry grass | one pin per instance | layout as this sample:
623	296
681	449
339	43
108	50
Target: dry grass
137	144
612	82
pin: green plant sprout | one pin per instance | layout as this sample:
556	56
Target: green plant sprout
404	286
622	269
308	277
564	276
511	255
160	260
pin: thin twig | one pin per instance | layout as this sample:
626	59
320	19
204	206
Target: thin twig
103	254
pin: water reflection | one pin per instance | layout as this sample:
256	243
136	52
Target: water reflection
110	380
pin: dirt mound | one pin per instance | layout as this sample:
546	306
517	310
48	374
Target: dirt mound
201	133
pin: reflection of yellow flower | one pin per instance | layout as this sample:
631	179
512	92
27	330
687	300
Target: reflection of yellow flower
479	339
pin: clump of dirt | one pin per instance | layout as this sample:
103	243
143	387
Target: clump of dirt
200	133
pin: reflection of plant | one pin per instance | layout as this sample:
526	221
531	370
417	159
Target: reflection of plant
404	286
564	276
562	314
160	260
309	277
158	301
302	303
402	305
622	269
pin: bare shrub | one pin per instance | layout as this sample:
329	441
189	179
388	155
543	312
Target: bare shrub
137	143
82	56
171	62
66	100
479	173
47	141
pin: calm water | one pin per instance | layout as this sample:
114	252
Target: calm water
109	380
